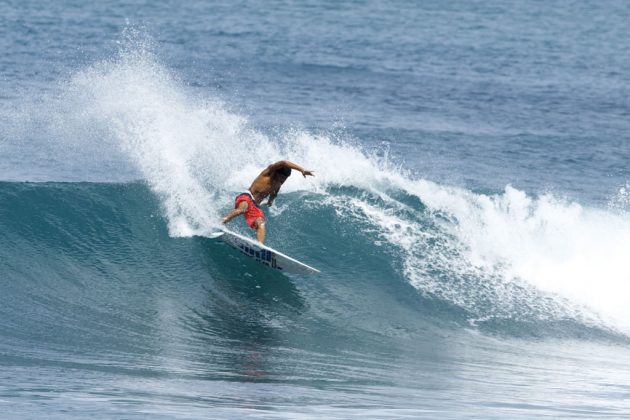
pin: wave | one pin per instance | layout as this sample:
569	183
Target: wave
487	259
66	237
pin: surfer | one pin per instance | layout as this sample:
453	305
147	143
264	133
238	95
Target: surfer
267	184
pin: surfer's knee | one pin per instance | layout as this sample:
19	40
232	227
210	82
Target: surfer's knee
242	207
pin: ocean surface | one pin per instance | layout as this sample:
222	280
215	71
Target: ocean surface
469	211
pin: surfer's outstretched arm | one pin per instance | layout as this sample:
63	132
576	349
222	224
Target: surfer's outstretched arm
241	209
286	164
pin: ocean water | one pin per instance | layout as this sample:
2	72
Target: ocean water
469	213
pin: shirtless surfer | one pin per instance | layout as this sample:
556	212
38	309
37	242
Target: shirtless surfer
267	184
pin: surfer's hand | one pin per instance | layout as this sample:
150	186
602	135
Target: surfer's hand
224	221
309	173
269	203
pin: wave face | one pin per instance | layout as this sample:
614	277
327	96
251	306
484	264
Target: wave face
506	263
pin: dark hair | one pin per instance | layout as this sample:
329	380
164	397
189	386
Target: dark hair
284	171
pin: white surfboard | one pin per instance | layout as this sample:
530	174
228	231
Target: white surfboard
263	254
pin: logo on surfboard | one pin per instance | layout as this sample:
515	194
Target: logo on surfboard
263	256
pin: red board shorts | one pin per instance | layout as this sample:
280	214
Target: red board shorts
253	211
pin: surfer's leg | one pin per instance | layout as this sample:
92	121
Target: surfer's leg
241	208
260	229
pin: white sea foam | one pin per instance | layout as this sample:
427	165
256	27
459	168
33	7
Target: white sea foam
559	247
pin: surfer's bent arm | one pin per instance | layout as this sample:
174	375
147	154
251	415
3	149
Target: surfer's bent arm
242	208
286	164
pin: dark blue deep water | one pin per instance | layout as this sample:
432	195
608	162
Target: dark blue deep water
469	213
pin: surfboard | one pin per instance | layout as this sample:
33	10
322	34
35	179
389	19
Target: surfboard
263	254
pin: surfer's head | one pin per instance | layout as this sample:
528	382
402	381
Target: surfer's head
283	173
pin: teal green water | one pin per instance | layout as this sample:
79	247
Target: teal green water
106	313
